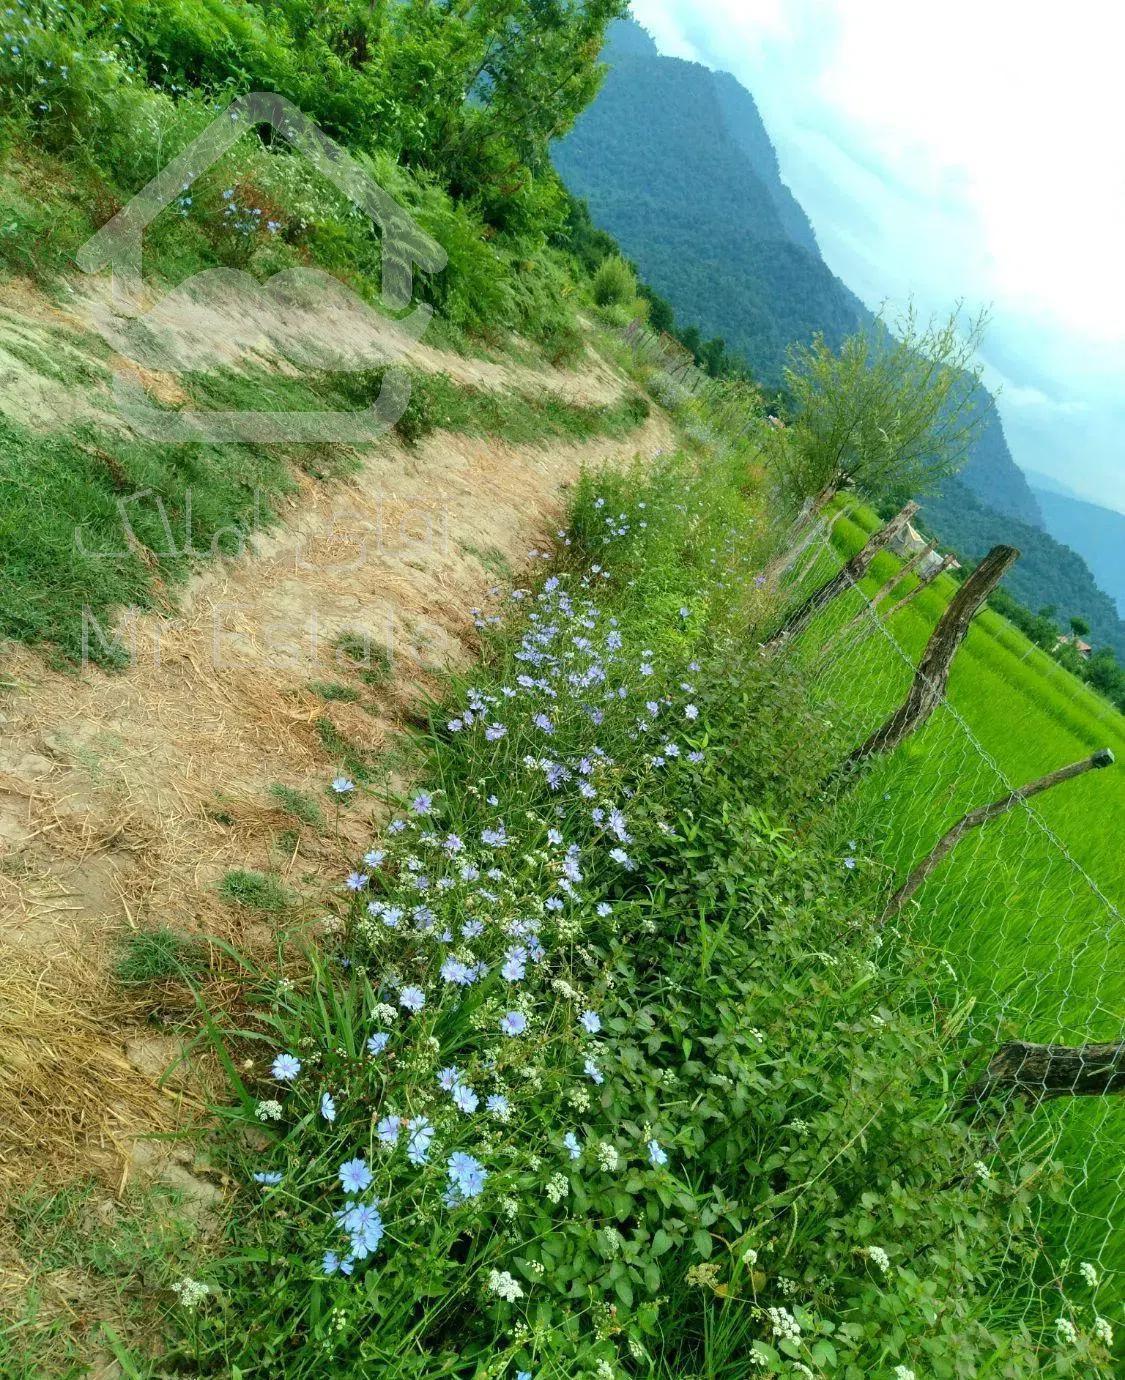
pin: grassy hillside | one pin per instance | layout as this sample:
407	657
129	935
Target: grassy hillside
555	1035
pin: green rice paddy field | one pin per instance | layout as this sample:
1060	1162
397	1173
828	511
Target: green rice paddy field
1036	949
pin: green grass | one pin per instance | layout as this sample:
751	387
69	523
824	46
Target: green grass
67	560
159	955
100	1270
254	890
332	692
799	1069
369	661
300	805
1018	921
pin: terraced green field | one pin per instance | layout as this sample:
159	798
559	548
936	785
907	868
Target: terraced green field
1035	947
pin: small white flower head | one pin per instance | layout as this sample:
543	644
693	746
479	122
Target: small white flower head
750	1256
1089	1274
558	1186
879	1258
191	1293
903	1373
783	1324
982	1171
383	1013
607	1156
268	1110
605	1371
1066	1332
501	1283
1103	1332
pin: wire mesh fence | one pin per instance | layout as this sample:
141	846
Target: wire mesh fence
1030	935
1023	913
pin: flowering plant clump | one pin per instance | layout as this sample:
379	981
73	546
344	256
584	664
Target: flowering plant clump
540	1098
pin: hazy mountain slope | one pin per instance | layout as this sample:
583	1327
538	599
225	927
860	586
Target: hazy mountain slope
745	127
653	157
1096	533
1047	573
675	161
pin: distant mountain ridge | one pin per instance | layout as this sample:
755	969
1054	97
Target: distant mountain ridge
1097	533
675	161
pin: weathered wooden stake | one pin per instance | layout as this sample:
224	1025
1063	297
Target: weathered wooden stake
1042	1072
932	676
850	574
924	582
984	814
882	593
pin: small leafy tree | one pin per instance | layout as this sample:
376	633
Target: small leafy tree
888	412
1079	627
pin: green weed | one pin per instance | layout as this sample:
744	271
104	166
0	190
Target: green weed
254	890
300	805
159	955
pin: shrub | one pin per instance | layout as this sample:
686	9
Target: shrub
615	283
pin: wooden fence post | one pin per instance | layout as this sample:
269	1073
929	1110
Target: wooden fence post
1042	1072
984	814
923	584
932	676
850	574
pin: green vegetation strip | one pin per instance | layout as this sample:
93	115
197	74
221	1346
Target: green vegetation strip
90	521
603	1068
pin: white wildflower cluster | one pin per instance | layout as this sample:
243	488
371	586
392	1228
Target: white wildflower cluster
1066	1332
558	1186
982	1171
879	1258
605	1371
501	1283
1103	1332
1089	1274
783	1324
191	1292
268	1110
903	1373
750	1256
606	1156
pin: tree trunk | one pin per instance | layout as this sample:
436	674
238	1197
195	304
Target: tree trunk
1042	1072
850	574
984	814
932	676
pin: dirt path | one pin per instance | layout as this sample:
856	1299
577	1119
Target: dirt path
126	797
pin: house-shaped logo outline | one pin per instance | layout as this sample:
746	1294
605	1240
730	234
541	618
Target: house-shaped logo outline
118	247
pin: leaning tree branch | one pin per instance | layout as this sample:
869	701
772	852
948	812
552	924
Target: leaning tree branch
984	814
1042	1072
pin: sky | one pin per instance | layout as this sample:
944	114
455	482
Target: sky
969	152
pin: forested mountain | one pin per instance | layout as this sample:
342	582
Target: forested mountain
1048	573
675	162
1097	533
